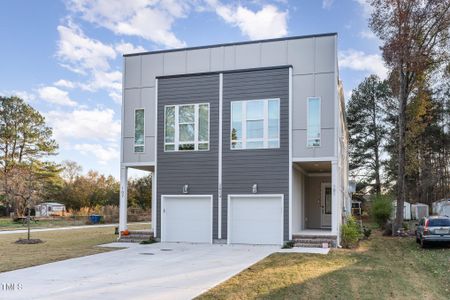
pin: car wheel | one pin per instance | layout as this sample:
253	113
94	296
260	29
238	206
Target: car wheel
423	244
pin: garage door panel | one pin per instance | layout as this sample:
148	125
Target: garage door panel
187	219
256	219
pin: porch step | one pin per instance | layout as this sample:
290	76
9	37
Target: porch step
136	236
314	241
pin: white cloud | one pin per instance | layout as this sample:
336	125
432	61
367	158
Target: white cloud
367	34
149	19
103	153
326	4
366	7
110	81
54	95
24	95
126	48
360	61
117	97
268	22
64	83
96	124
81	53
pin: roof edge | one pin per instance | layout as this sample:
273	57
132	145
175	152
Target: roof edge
233	44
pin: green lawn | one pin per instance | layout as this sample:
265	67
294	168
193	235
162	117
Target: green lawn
58	245
382	268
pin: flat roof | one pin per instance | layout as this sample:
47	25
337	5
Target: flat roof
234	44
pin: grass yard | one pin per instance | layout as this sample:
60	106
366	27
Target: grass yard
58	245
382	268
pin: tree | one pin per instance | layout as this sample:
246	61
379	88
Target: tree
367	130
24	137
71	170
415	38
140	192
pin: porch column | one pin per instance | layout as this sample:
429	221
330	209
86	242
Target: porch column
335	198
123	198
154	208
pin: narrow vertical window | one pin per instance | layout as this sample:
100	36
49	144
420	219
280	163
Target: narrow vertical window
139	130
313	125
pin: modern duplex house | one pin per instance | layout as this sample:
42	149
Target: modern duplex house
247	142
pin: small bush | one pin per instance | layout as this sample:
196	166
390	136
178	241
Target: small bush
350	233
288	245
367	232
381	209
151	240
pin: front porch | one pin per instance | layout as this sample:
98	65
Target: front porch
134	235
315	203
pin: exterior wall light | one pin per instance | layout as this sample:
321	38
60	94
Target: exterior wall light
186	189
254	188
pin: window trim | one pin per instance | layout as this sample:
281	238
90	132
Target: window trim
265	120
307	122
196	141
134	131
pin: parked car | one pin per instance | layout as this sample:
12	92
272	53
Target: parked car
434	229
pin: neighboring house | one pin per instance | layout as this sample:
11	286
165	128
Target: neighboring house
419	211
247	141
406	210
47	209
441	207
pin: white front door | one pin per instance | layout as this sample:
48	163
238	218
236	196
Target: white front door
255	219
326	201
186	218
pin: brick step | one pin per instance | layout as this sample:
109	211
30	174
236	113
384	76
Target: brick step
313	241
310	245
314	237
136	236
131	240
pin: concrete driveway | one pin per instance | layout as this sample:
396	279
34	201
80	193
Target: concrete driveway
157	271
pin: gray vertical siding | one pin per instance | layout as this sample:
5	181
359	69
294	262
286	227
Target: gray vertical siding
269	168
199	169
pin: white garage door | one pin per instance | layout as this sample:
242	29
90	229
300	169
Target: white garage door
186	218
255	219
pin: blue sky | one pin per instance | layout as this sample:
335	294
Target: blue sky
65	57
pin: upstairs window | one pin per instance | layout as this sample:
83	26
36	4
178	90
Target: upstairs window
313	122
139	124
186	127
255	124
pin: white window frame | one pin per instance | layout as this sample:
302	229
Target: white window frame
196	141
307	123
265	119
134	130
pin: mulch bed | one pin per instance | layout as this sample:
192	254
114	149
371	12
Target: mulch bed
28	241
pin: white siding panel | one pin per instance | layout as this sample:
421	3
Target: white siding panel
229	59
248	56
132	71
217	58
325	54
274	54
301	55
175	63
148	103
198	61
300	149
152	66
325	89
132	100
303	87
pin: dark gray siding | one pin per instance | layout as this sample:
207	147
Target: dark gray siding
269	168
198	169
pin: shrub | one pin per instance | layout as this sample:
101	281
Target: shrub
367	232
288	244
350	233
381	209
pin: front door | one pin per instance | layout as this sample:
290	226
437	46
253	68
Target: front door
326	205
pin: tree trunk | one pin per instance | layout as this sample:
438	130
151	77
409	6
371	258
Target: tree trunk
403	95
376	149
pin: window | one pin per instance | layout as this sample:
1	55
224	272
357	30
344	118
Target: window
139	125
186	127
313	122
255	124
